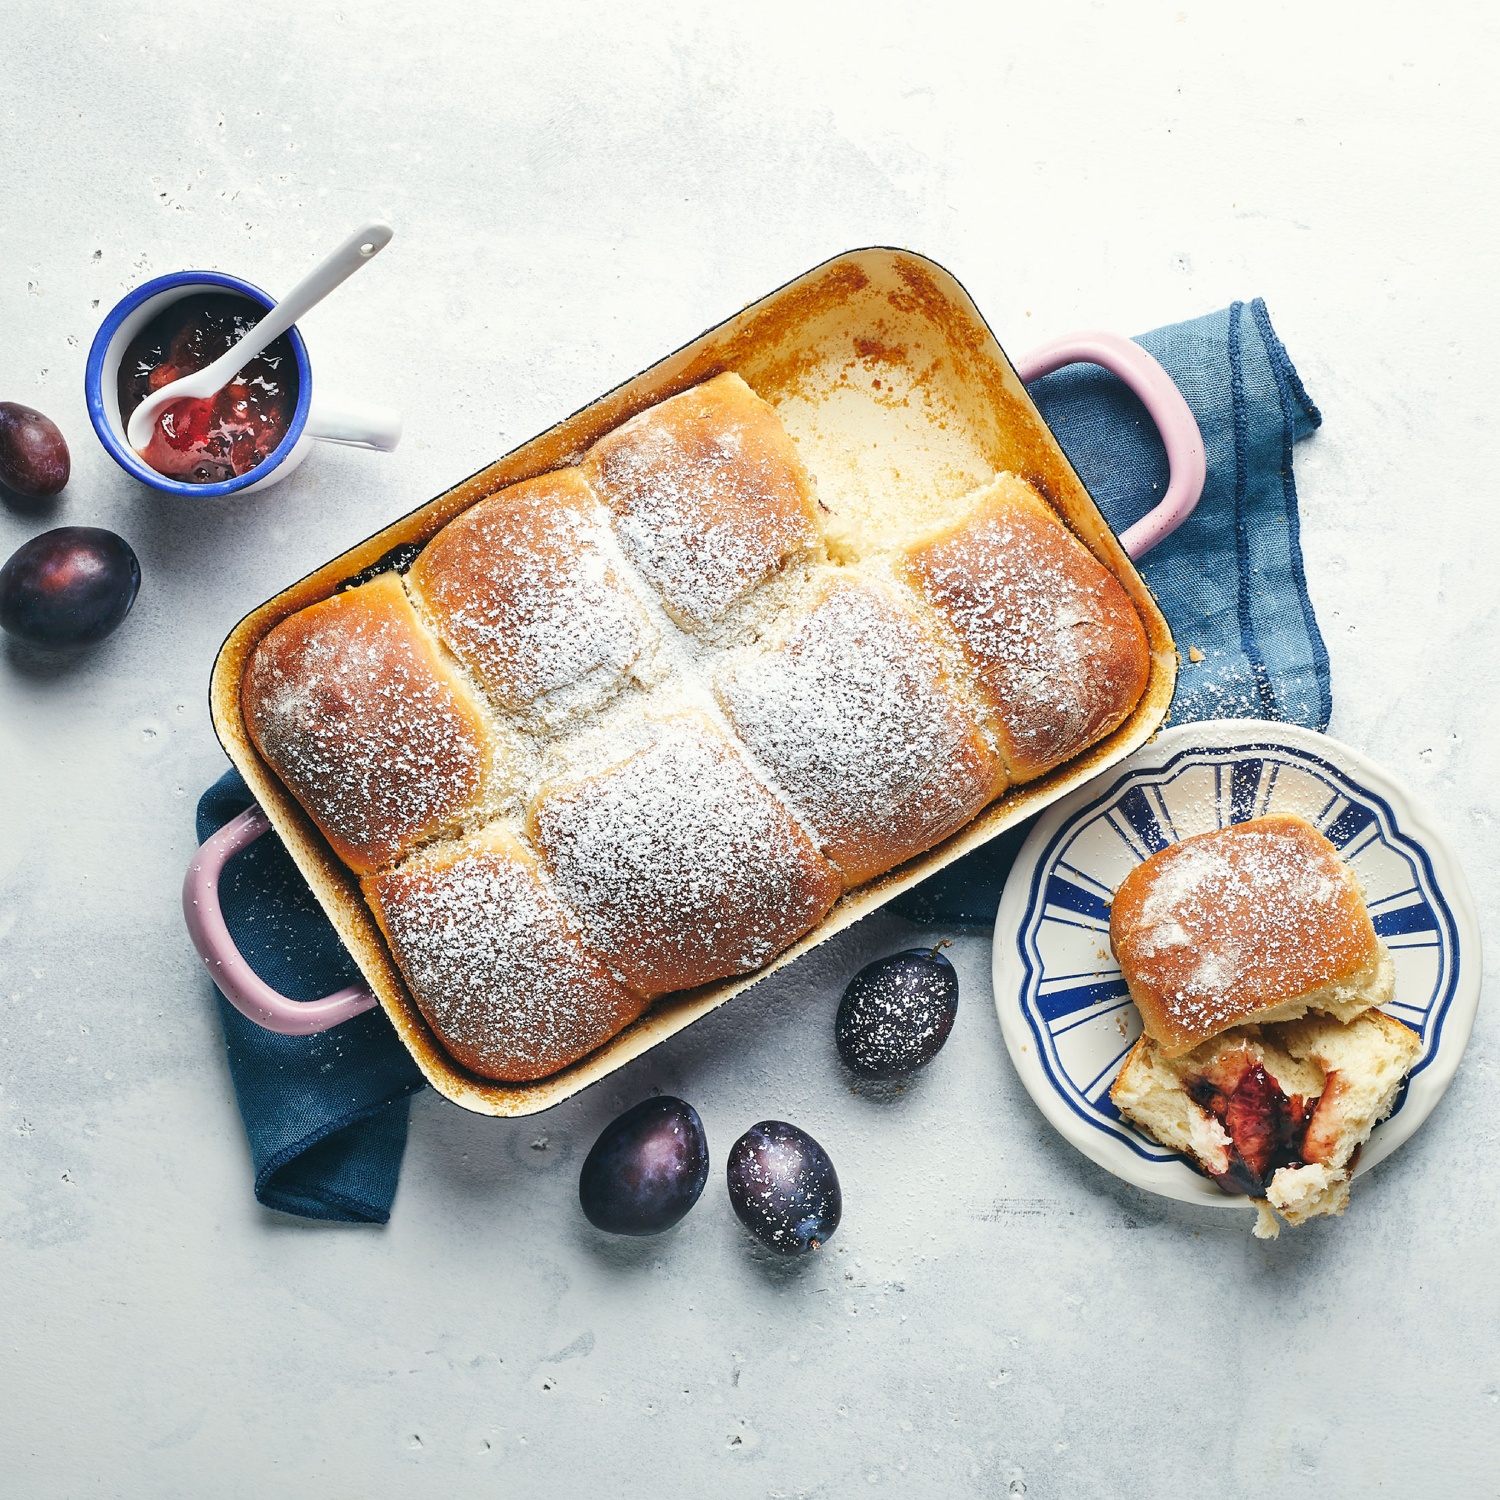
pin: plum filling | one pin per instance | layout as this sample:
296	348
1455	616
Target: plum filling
1267	1128
208	441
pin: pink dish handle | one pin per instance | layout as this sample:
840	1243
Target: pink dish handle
1164	403
240	985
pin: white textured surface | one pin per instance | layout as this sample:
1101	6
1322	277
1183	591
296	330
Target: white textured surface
576	190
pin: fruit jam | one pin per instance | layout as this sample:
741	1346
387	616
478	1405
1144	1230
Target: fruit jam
1267	1128
223	436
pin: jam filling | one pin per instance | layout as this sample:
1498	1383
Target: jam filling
1267	1128
225	435
398	560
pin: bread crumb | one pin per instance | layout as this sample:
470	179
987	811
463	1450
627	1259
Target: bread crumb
1194	654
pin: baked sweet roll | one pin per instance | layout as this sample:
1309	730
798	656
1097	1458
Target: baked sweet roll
709	497
494	960
521	589
624	729
1261	921
373	727
1057	651
681	865
1256	970
858	722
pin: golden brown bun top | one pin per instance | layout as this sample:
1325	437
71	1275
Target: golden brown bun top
1056	647
709	496
523	595
886	710
1226	927
494	961
857	721
377	736
682	867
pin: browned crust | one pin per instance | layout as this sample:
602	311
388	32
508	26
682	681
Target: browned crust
679	863
1272	953
523	1011
867	826
378	737
706	476
504	567
1058	652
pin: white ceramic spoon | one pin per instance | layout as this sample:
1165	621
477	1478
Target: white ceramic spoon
361	246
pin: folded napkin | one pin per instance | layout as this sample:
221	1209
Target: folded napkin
326	1115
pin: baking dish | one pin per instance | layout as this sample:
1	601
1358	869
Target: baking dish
887	376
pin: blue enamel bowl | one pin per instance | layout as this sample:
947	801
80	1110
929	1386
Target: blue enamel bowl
101	376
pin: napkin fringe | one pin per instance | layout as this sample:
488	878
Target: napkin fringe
1294	395
1249	642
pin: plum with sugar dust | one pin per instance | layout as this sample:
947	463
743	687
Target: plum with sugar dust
897	1013
783	1187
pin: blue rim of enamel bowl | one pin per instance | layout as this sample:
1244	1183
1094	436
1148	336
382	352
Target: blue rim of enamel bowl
95	394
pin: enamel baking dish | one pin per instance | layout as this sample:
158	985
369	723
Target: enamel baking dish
885	373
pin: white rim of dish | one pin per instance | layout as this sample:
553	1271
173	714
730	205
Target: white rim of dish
1278	766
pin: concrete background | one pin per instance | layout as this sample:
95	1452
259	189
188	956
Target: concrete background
576	190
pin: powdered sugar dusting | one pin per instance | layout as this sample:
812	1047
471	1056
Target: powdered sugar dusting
495	963
855	719
610	614
349	702
1046	628
1225	924
522	592
682	867
708	495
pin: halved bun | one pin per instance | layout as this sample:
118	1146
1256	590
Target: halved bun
1277	1112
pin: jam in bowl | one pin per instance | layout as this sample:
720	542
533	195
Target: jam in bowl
206	441
250	434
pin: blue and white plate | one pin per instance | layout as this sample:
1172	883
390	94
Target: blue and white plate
1064	1010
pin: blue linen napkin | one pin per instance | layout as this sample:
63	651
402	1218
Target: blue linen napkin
1229	579
326	1115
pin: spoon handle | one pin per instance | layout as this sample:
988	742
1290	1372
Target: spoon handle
361	246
